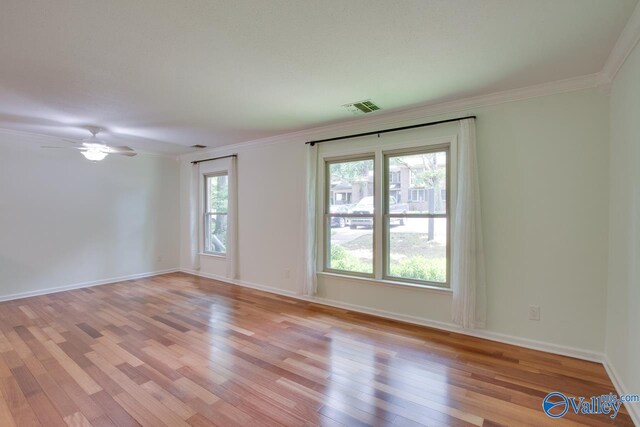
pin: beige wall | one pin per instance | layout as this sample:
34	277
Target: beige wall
623	314
544	182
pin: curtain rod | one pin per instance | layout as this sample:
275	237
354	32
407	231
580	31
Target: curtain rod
378	132
213	158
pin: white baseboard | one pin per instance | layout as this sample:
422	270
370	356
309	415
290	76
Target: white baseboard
63	288
632	408
243	283
578	353
592	356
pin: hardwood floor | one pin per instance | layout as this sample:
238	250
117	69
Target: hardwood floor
180	350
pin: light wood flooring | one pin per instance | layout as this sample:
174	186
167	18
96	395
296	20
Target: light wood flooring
179	350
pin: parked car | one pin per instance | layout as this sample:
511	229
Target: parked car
365	206
339	221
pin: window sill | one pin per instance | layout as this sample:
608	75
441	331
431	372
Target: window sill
213	255
388	283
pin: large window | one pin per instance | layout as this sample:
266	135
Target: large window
399	232
215	213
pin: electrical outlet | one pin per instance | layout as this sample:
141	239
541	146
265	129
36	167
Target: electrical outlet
534	312
159	258
287	273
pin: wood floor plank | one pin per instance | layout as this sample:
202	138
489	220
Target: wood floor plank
72	368
180	350
77	420
6	419
19	407
115	412
45	411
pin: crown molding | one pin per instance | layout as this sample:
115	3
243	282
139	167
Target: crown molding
380	120
407	116
32	136
628	39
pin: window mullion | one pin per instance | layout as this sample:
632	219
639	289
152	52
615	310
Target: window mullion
379	183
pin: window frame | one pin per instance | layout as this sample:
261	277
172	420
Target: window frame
327	215
373	147
386	219
206	213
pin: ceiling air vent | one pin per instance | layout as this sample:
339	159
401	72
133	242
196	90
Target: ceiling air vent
198	146
361	107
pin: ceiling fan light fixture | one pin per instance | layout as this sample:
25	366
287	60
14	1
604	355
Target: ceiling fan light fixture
95	149
94	154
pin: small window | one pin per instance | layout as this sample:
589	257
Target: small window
417	195
215	213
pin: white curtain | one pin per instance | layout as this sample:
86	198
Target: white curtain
194	216
311	248
468	280
232	220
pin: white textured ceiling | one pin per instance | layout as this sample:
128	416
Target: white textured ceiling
218	72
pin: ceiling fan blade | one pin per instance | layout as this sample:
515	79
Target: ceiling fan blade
66	148
126	153
73	141
121	149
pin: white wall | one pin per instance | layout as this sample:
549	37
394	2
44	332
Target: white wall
65	220
544	182
623	314
271	188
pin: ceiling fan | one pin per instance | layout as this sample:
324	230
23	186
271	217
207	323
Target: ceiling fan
95	149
